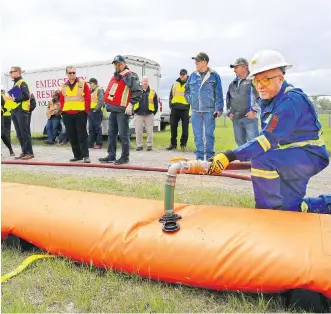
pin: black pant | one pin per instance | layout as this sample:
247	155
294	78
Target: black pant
176	115
21	120
118	124
94	128
7	126
76	130
4	136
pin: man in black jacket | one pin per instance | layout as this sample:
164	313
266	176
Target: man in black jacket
144	111
179	111
21	115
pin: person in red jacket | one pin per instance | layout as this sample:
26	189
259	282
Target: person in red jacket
123	91
75	102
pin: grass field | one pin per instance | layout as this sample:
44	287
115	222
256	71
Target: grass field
224	138
60	285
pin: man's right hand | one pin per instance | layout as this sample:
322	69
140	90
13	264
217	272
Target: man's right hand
231	116
129	110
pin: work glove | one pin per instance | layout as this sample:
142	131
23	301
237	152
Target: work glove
129	109
219	163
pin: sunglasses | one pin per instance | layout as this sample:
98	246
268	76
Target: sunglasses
12	72
71	72
265	81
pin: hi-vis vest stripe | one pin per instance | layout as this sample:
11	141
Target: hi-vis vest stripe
266	174
25	103
151	106
94	97
178	91
74	99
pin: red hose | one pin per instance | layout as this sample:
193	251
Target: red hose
232	166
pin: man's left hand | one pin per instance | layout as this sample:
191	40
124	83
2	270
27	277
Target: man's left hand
219	164
251	115
217	114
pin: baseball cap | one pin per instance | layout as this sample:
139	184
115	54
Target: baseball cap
119	58
201	56
183	72
239	61
93	80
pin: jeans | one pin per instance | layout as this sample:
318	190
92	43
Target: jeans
245	130
118	124
94	128
52	127
76	129
203	125
21	120
63	138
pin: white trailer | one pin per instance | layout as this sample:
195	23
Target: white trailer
43	83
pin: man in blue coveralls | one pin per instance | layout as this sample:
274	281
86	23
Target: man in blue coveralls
289	149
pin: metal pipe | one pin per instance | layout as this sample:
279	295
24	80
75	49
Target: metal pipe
232	166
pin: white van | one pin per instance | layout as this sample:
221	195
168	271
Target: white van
43	83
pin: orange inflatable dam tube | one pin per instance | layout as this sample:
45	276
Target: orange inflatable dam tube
222	248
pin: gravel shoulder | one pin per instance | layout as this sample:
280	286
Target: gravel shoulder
319	184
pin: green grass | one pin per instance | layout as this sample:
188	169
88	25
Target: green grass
224	138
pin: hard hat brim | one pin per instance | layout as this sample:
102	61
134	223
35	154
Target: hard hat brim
267	68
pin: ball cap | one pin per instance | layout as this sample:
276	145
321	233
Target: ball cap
239	61
201	56
93	80
183	72
118	58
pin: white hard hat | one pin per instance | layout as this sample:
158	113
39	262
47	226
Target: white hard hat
266	60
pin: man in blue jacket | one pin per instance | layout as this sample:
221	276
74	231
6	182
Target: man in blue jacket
203	91
290	148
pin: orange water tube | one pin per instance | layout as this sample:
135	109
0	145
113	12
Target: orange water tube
222	248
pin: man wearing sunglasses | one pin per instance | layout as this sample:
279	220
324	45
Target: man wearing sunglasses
21	113
75	102
290	148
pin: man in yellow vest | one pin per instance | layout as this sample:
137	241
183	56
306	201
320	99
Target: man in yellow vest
9	105
4	136
179	111
75	102
95	115
21	115
144	112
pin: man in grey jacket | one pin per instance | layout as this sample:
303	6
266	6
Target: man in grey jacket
241	102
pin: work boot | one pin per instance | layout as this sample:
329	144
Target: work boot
86	160
107	159
149	148
183	147
75	159
171	147
20	156
122	161
12	153
138	149
27	156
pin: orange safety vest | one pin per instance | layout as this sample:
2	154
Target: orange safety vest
118	93
74	99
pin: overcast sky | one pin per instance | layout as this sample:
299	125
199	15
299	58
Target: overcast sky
38	33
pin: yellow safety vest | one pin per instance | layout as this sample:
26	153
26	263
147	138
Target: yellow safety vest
74	99
13	105
94	98
151	106
178	91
